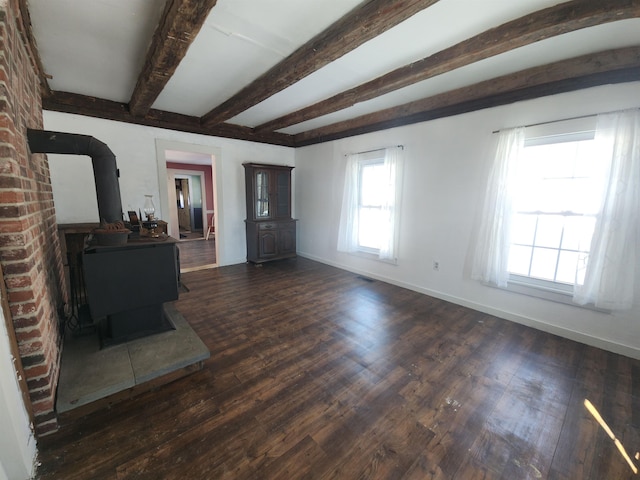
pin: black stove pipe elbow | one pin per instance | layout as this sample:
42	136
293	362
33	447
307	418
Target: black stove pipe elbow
105	170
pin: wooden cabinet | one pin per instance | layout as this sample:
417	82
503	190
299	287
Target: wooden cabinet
271	232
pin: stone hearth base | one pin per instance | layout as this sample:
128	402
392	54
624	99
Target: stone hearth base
89	374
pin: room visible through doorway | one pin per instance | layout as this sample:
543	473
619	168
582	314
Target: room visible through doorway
190	201
189	206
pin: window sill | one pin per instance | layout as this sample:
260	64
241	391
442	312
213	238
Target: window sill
553	292
373	256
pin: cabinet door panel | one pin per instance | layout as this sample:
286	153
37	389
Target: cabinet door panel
283	194
287	234
267	244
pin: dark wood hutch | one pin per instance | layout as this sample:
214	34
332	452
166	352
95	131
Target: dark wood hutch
271	232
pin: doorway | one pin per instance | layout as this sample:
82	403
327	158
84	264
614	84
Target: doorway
190	201
189	205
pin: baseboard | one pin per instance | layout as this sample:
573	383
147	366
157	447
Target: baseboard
506	315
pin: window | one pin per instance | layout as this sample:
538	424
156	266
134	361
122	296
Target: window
371	188
368	220
556	200
563	212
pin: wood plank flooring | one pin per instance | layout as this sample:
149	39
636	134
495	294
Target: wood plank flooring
317	373
197	254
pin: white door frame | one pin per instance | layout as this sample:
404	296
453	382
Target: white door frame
163	179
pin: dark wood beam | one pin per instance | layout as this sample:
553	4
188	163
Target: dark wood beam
363	23
546	23
100	108
608	67
178	27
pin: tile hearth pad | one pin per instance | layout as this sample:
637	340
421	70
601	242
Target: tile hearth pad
88	373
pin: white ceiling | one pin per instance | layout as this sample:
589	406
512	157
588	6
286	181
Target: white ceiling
94	47
97	48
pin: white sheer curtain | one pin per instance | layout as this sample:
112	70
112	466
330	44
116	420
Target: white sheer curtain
611	267
491	256
391	199
349	227
349	216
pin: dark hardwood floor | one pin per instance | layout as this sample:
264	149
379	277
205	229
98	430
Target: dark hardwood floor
197	254
318	373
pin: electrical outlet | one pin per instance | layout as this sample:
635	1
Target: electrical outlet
436	266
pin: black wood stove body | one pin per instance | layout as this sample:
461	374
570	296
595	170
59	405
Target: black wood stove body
128	284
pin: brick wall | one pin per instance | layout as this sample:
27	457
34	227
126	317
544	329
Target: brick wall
29	245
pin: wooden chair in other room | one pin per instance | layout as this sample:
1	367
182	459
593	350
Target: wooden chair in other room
211	229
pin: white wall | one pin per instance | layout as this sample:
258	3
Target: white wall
17	443
446	164
135	149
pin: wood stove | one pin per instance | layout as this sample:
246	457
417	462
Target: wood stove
128	284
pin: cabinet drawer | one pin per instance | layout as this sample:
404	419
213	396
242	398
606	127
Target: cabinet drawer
267	226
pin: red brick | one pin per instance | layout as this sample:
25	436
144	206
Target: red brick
32	360
46	428
18	281
13	254
26	322
12	240
40	394
12	226
21	295
48	416
15	268
5	120
7	152
12	211
7	135
29	349
29	247
23	309
35	371
10	181
42	406
25	335
40	382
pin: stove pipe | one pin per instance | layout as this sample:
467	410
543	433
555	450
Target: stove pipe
105	171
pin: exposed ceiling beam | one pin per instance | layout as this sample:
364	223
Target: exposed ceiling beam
608	67
363	23
100	108
180	23
543	24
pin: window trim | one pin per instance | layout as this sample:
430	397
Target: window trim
548	134
373	256
534	287
541	284
347	241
